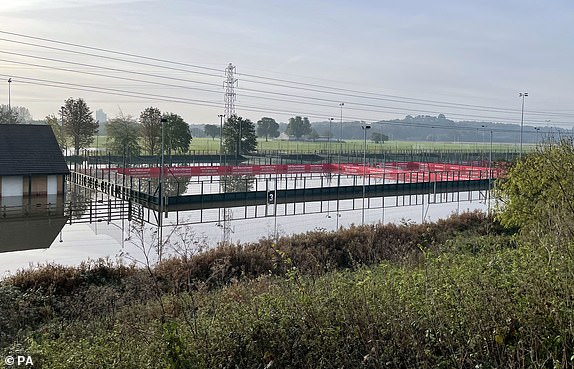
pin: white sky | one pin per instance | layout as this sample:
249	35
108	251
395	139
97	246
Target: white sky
480	53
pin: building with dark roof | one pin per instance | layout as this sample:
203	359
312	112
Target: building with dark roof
31	162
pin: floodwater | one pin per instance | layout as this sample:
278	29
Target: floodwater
119	241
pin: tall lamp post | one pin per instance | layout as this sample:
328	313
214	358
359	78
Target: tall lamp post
62	131
238	144
483	143
220	138
365	127
487	197
341	137
9	100
551	133
522	95
329	138
339	162
161	190
489	172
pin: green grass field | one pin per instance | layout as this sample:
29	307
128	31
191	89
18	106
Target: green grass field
208	144
358	145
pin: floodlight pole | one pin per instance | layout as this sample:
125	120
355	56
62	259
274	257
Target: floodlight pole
240	137
339	163
9	100
329	138
341	138
161	191
365	127
220	138
522	95
62	131
489	172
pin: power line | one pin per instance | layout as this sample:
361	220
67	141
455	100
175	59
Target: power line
108	51
296	84
155	97
108	68
390	109
75	86
121	78
299	86
112	58
214	104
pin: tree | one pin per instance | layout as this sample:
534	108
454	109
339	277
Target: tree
314	135
267	127
14	115
58	130
23	113
7	116
211	130
123	135
536	194
298	127
177	136
79	124
150	120
379	137
234	128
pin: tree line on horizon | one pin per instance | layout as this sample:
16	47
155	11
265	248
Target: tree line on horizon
411	128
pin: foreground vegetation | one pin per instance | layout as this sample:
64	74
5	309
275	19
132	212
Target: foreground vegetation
467	292
456	293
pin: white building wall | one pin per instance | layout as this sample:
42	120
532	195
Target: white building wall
52	185
12	186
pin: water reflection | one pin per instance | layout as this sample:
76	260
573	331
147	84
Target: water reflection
34	222
78	202
30	222
173	186
242	183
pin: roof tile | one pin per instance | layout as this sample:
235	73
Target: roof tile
27	149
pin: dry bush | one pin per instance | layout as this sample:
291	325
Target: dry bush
61	280
316	252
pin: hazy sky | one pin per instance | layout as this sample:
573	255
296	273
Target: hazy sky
383	59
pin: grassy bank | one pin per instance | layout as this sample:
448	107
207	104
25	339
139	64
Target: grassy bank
458	293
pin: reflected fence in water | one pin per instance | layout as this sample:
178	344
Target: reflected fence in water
269	184
96	194
291	189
